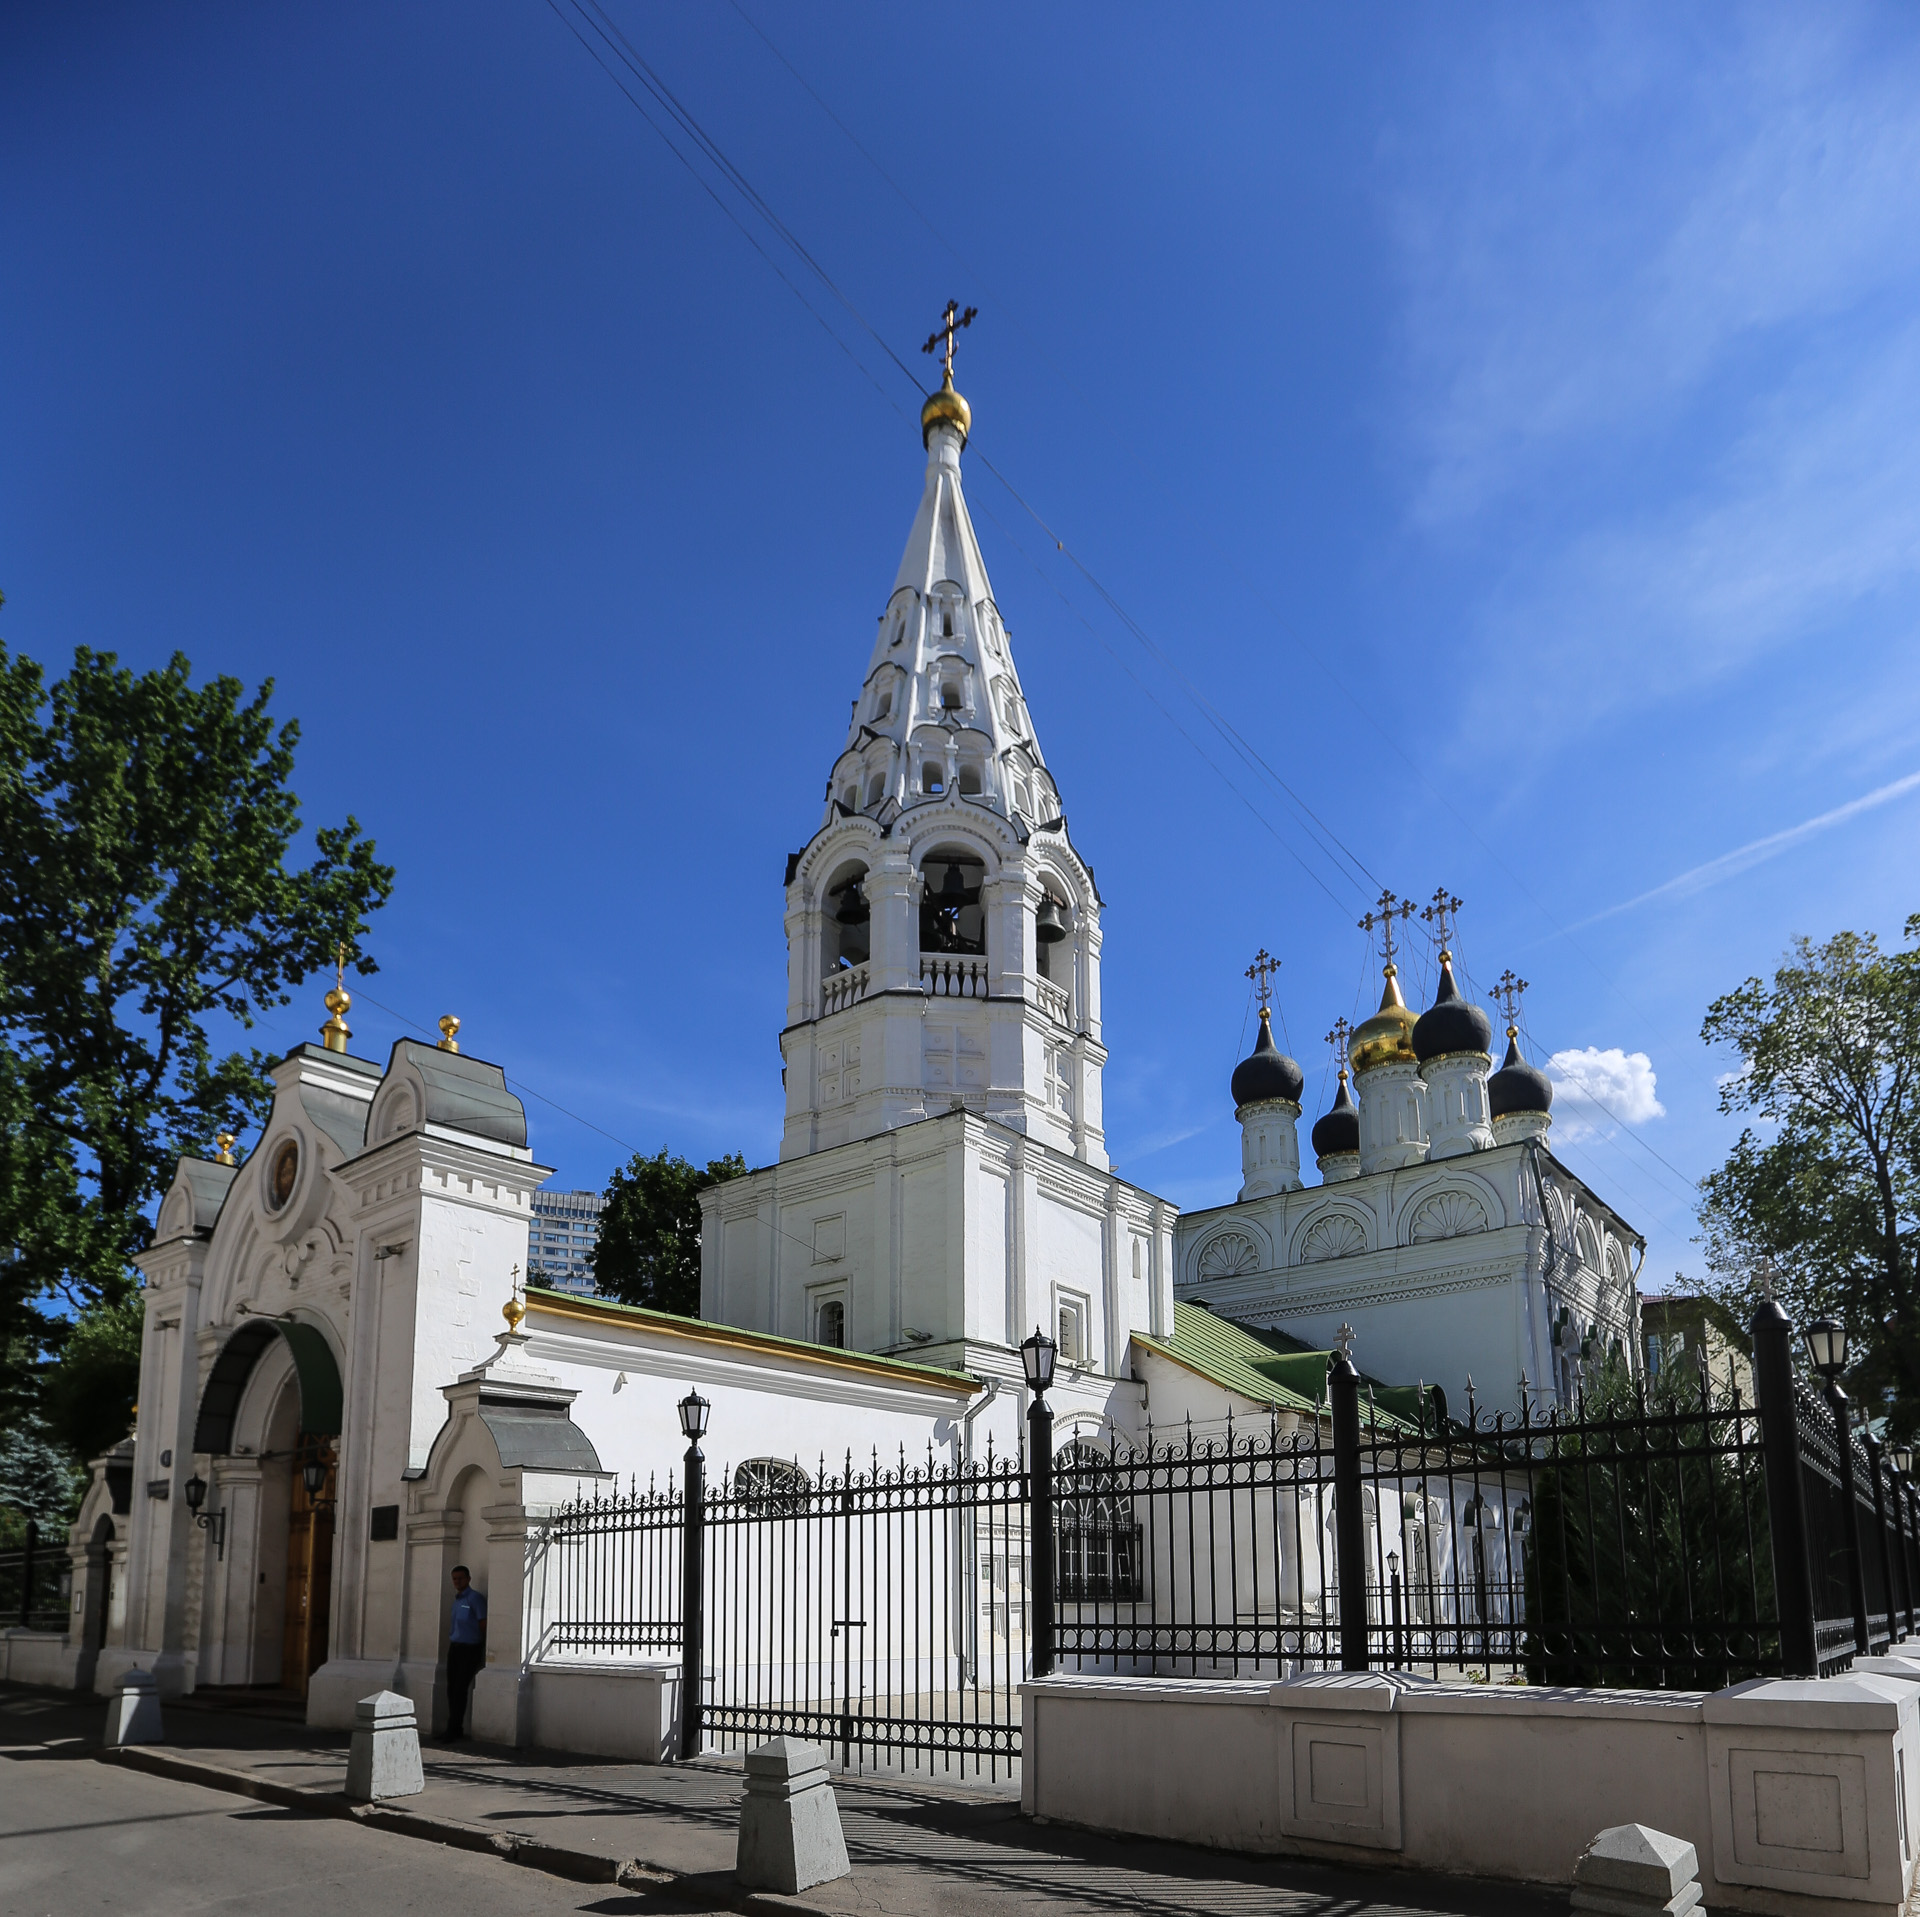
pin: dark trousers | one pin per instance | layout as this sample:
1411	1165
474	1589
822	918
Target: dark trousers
464	1661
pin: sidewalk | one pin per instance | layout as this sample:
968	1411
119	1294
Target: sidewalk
669	1831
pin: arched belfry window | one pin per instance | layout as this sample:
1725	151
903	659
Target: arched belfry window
951	916
846	935
1053	935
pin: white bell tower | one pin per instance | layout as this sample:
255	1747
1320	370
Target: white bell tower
943	936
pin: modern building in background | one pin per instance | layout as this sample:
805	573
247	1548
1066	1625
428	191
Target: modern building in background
1676	1331
566	1226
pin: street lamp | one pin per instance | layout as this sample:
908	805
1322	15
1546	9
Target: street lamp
694	1413
214	1523
1901	1457
1827	1347
1036	1360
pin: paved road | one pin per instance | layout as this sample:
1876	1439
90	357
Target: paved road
78	1837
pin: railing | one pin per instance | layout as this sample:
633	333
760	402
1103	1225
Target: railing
944	977
1054	1000
840	989
36	1583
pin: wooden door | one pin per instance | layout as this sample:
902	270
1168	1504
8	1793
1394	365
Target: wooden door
309	1576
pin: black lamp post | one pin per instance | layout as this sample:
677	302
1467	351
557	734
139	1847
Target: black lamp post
1036	1360
694	1413
1900	1456
212	1522
1827	1347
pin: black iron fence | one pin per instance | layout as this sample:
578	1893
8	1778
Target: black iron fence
36	1583
1679	1537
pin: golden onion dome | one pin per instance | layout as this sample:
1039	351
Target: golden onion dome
1387	1037
945	407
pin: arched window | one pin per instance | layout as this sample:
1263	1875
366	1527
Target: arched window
933	779
876	788
969	781
951	919
952	695
771	1487
946	622
1099	1559
846	932
883	705
830	1323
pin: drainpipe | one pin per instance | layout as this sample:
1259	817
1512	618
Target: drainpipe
967	1417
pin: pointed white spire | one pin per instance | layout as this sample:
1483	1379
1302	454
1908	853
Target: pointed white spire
941	708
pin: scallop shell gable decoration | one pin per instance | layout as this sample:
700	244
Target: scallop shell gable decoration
1337	1235
1229	1255
1447	1214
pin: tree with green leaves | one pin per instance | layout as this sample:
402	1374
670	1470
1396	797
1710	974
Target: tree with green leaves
648	1251
1822	1203
150	907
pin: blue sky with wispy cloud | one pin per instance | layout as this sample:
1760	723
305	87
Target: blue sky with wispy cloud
1507	422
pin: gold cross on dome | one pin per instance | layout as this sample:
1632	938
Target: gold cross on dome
1389	907
1261	971
1443	916
949	325
1508	994
1339	1038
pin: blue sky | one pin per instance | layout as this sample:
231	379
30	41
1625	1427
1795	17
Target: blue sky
1509	419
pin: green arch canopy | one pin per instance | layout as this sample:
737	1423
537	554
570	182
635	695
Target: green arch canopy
312	1362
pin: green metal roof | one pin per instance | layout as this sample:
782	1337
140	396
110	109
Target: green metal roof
1272	1368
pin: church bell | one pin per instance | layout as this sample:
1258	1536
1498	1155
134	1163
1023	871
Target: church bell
1047	927
853	908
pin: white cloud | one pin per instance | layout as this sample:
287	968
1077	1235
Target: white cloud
1594	1090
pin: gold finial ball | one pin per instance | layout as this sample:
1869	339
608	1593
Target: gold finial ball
513	1311
225	1141
337	1000
945	408
449	1032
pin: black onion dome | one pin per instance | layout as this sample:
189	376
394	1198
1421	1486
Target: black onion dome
1267	1072
1518	1086
1339	1129
1450	1024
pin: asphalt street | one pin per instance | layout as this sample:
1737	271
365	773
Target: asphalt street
78	1836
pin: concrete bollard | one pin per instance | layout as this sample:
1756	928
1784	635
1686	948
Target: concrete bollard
385	1758
133	1711
1633	1871
790	1836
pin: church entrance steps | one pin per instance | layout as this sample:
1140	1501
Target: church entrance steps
917	1850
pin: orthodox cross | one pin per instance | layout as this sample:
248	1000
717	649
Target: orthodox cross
1443	916
1261	971
1343	1342
1338	1038
1507	995
1390	907
953	321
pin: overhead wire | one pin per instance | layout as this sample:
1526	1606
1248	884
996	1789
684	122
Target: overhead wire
1342	860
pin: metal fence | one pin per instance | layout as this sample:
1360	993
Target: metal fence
883	1611
1683	1539
36	1583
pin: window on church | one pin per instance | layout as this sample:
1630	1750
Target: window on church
1071	1332
969	781
883	705
951	918
830	1323
950	695
850	798
933	779
770	1485
876	788
946	623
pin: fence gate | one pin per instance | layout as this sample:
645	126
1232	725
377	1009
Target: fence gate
882	1613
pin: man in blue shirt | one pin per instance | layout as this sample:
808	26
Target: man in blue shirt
466	1648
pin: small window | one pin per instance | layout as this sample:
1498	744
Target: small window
950	695
946	624
933	779
1072	1335
876	788
969	781
830	1323
850	798
883	705
770	1485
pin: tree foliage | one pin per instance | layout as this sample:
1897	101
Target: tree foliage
648	1251
1822	1199
87	1399
148	908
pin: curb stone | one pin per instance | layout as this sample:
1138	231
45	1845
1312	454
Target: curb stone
699	1891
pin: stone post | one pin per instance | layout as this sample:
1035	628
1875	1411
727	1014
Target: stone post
790	1836
133	1711
385	1757
1632	1871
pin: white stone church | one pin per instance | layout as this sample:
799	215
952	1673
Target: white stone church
329	1419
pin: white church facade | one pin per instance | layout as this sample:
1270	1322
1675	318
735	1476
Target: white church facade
329	1418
